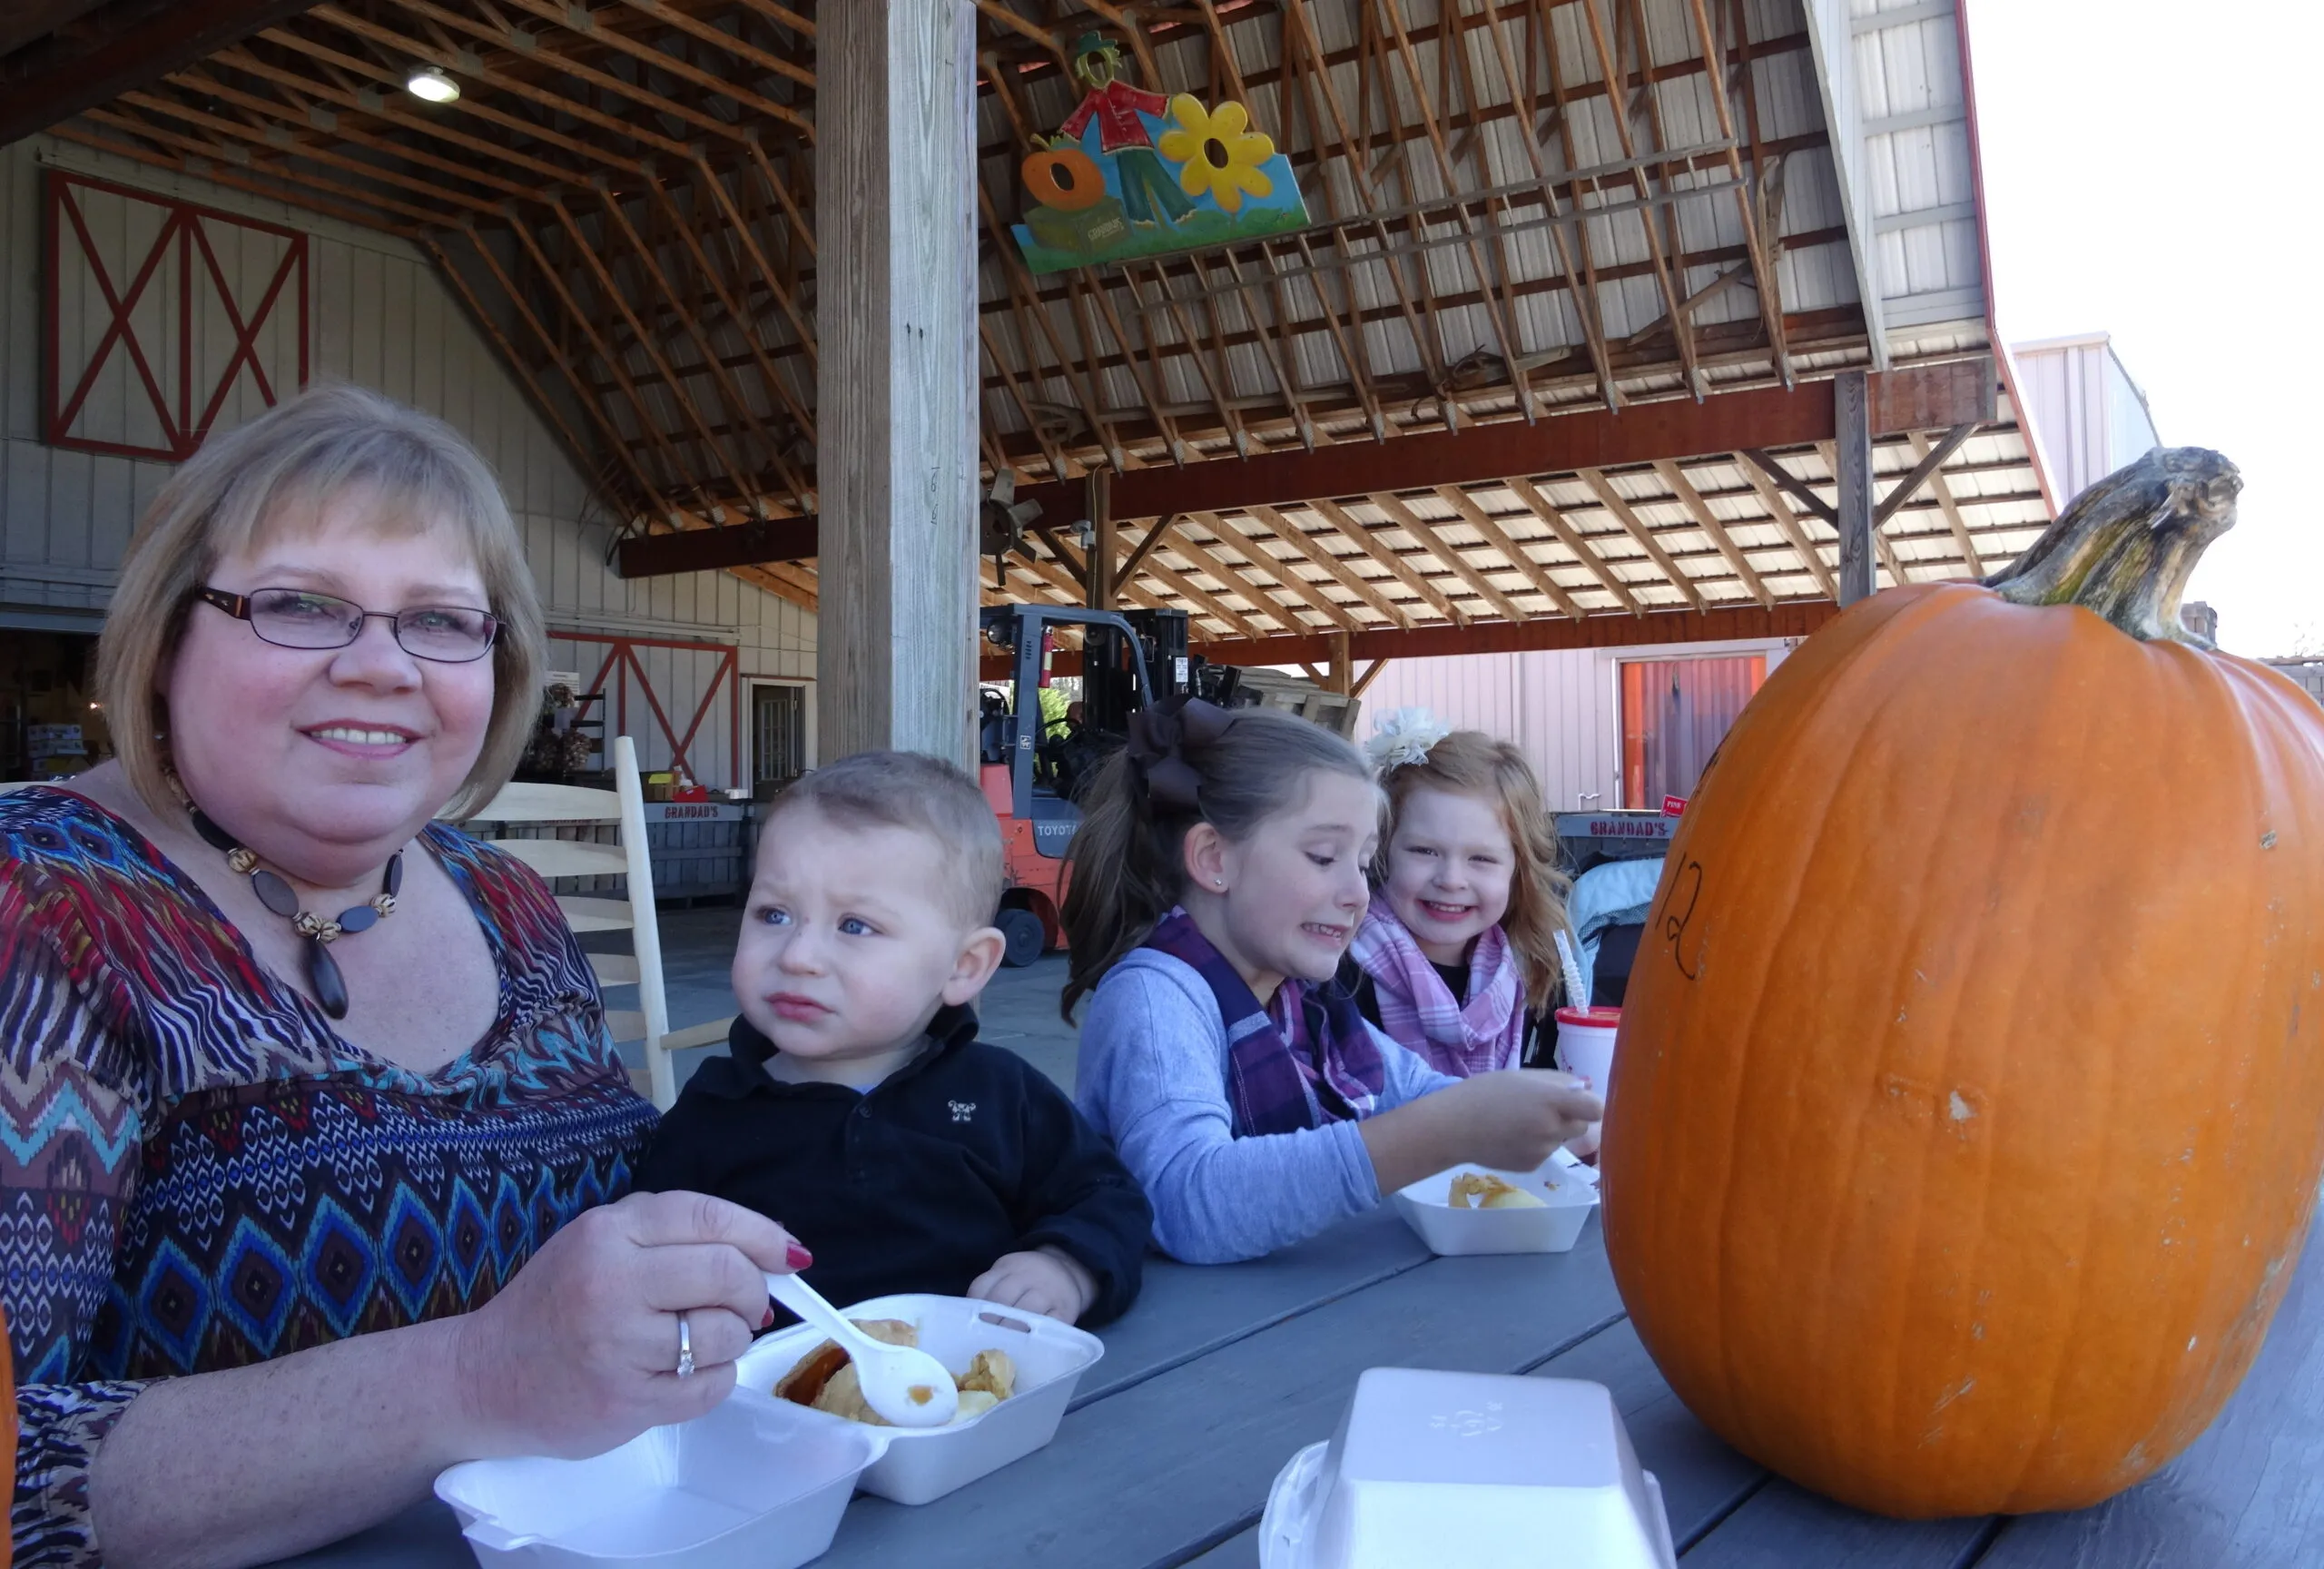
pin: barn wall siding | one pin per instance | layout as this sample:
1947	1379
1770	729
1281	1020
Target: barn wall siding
380	318
1559	706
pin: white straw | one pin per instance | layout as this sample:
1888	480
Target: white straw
1577	989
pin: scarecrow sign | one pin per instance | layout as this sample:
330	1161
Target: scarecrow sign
1133	173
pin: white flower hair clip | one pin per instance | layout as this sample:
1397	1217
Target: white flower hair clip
1404	736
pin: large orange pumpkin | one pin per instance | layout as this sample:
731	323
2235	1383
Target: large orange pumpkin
1969	1104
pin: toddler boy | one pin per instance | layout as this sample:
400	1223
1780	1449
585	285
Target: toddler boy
856	1106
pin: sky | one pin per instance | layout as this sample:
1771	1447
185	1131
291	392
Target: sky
2148	173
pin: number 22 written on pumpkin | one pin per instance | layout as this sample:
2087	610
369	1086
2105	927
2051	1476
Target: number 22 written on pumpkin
1674	926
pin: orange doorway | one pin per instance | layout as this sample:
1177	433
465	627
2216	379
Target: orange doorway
1674	713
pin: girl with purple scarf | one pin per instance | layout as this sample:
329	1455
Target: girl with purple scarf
1218	877
1457	958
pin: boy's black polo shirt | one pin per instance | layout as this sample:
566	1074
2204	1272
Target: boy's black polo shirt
920	1184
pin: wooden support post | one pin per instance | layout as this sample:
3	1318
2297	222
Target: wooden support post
1852	422
1102	587
897	393
1342	669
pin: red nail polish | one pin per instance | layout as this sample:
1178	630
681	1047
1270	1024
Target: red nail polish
798	1257
768	1322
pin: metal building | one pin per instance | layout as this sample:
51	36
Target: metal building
2084	409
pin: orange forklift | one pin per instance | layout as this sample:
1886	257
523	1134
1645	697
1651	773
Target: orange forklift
1033	769
1035	765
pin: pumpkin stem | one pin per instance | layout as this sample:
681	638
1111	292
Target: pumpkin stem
2127	546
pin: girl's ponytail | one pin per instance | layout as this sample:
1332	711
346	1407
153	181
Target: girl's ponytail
1126	876
1187	762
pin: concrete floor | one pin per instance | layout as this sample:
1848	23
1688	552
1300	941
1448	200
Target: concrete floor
1017	1010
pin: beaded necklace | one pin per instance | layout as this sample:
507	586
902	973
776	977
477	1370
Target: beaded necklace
320	932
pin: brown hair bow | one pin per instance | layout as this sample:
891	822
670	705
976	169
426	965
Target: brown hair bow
1158	736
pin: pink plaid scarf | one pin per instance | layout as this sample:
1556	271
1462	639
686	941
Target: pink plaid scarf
1419	1013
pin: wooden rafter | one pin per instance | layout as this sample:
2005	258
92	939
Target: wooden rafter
1289	530
1759	472
738	405
1254	551
1425	533
635	176
1946	504
1207	560
1486	524
1547	510
1361	536
1829	452
1672	476
1635	526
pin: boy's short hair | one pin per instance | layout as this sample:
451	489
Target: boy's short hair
925	794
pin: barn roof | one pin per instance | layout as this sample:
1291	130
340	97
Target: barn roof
1616	247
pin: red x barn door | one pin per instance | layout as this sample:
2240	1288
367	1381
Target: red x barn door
162	318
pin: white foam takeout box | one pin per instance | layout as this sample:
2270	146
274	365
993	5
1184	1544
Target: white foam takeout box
1481	1470
1567	1188
755	1484
916	1466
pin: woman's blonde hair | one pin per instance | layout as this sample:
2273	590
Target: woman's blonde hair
1127	857
251	482
1471	762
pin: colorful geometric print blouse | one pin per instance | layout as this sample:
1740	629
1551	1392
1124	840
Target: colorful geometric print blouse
196	1172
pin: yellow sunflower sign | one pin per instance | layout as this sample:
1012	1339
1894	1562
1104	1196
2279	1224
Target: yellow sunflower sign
1132	173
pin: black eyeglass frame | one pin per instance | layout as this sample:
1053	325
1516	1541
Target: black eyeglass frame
239	607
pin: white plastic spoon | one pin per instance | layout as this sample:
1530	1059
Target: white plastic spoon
906	1386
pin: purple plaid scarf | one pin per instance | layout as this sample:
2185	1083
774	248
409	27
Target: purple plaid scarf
1417	1011
1328	1069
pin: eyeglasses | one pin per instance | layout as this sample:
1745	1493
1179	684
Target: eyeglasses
295	618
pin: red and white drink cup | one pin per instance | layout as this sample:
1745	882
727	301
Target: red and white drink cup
1585	1050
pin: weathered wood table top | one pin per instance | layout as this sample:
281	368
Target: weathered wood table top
1219	1376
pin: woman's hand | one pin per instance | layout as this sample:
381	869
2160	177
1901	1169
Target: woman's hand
580	1351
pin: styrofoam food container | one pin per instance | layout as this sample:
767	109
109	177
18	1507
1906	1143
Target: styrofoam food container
917	1466
1479	1469
754	1483
1564	1184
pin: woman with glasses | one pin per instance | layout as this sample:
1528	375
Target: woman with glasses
315	1147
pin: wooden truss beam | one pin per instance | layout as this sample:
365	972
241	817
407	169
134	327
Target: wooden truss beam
1713	530
712	550
121	47
1361	536
1930	398
1486	524
1425	533
1289	531
1790	619
1946	504
1635	526
1932	459
1571	537
1254	551
1760	472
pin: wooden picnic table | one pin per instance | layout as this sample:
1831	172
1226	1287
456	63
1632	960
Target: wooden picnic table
1219	1376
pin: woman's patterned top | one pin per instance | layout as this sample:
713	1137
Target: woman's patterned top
196	1172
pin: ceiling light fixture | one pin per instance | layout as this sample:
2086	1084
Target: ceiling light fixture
431	85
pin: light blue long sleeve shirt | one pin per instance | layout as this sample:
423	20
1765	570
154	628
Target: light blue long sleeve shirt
1153	1079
